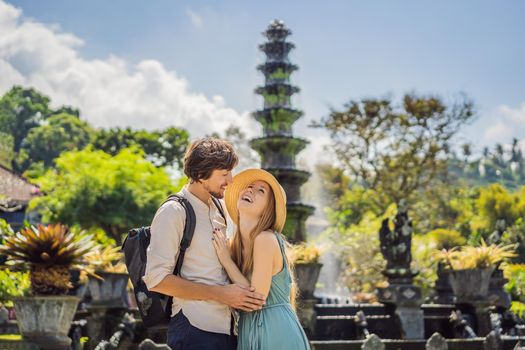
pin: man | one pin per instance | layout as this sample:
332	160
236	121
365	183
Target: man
202	296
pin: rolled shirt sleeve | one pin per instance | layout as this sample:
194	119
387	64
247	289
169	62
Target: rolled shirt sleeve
166	233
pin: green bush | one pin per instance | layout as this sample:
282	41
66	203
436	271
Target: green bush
94	189
515	273
516	235
495	203
5	229
518	308
446	239
424	261
12	284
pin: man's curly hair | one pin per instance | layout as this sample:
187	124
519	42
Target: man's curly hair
206	155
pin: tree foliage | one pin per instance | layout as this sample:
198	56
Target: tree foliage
94	189
162	147
33	135
20	110
6	150
59	133
497	203
395	151
32	132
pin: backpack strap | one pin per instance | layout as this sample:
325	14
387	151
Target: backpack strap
189	226
218	204
189	229
187	236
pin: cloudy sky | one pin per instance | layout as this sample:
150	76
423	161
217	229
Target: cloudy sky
151	64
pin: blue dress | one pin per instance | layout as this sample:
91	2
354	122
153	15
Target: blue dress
276	325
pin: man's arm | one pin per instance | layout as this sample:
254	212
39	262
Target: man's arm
238	297
166	233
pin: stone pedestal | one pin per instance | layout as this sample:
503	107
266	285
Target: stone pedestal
444	293
101	323
4	314
412	322
471	284
400	293
307	315
406	298
45	320
497	295
306	276
482	312
110	291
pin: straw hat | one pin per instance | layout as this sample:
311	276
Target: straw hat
245	178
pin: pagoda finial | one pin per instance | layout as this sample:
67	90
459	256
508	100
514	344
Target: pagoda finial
277	31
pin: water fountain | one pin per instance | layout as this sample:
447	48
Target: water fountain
402	321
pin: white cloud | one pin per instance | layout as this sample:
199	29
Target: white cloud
508	123
497	132
514	114
195	18
109	92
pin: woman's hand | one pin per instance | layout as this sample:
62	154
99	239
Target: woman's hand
222	247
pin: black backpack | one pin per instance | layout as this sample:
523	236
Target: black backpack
155	308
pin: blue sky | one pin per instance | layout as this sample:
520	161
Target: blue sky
345	50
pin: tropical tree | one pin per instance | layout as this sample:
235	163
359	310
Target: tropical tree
6	150
395	151
94	189
162	147
20	110
59	133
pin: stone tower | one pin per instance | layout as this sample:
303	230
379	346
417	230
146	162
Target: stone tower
278	147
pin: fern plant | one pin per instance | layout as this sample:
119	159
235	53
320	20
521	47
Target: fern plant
480	257
48	253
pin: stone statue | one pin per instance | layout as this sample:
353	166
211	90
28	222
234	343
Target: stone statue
401	292
396	245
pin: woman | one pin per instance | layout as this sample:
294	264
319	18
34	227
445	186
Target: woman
257	257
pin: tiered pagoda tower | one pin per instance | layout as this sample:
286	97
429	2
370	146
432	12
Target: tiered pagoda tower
278	147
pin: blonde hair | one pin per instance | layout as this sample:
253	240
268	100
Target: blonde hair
266	222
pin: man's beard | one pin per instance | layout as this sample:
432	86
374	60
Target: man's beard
217	195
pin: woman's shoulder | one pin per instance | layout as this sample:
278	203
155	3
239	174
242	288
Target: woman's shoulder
266	239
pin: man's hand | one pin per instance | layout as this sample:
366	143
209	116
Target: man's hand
242	298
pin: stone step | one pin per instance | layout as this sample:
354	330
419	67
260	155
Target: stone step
338	327
377	309
344	327
350	309
395	344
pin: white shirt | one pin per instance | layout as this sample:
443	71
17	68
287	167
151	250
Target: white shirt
200	261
